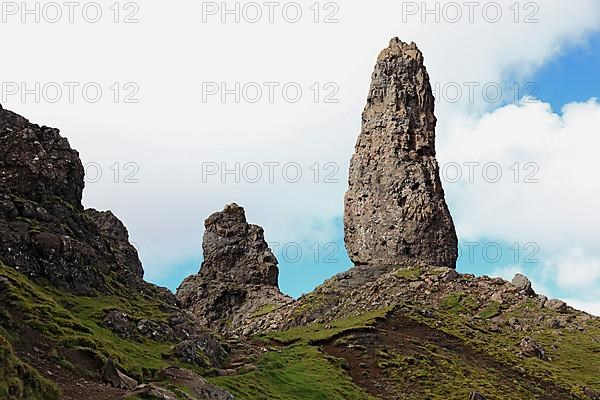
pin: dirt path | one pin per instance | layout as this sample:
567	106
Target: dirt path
401	335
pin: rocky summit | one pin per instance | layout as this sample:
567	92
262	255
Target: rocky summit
78	321
239	275
395	212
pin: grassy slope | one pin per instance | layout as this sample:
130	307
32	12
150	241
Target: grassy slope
298	369
315	333
19	381
574	356
75	322
436	368
297	372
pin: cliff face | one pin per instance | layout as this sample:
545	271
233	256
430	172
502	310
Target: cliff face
44	230
239	275
395	212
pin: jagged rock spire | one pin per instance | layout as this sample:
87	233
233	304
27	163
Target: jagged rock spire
239	275
237	251
395	212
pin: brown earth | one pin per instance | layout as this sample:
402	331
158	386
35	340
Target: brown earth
365	350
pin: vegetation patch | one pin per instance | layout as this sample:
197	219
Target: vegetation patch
266	309
460	302
20	381
491	310
315	333
409	274
298	372
75	322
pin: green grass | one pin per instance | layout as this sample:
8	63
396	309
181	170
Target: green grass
20	381
299	372
266	309
492	310
318	332
76	322
459	303
34	225
574	355
410	274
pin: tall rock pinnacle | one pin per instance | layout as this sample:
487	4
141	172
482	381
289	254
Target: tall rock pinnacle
395	212
239	275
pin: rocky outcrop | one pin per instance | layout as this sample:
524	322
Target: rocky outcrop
48	236
522	283
531	348
239	275
194	383
395	212
236	251
368	288
37	163
45	232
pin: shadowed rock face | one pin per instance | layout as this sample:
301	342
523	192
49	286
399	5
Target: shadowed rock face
237	251
238	277
44	230
395	212
37	163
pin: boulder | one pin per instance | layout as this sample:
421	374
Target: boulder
111	374
195	383
153	391
531	348
592	394
523	285
119	323
395	212
203	350
556	305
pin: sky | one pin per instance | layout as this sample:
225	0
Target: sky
178	108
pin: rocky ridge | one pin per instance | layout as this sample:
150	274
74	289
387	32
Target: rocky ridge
395	212
73	258
363	289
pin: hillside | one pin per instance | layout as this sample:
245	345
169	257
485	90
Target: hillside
78	320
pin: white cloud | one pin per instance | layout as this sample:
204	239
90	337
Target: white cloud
575	270
558	213
549	197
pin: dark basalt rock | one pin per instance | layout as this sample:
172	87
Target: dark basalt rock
45	232
239	274
395	212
